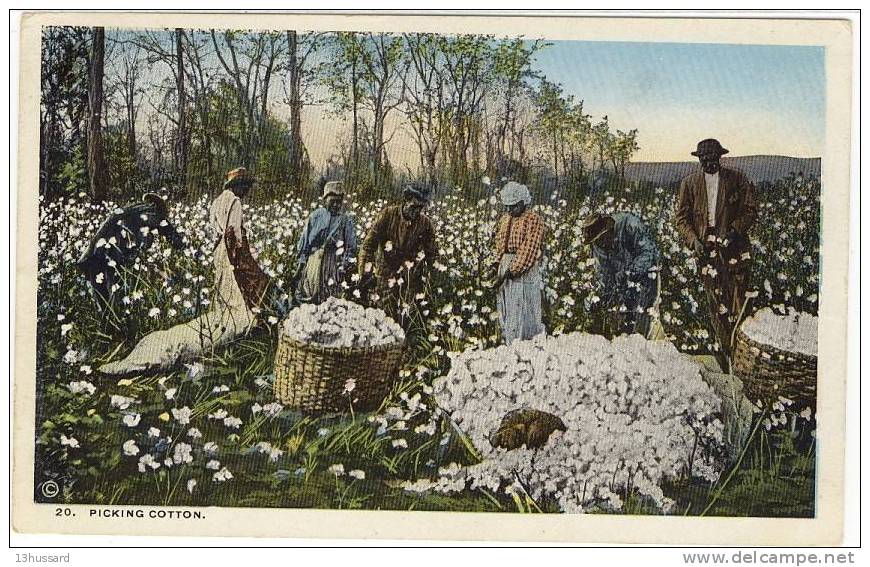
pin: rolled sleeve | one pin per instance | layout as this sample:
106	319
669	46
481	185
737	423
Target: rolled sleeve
644	250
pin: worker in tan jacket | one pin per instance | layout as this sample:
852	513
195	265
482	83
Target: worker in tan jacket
715	210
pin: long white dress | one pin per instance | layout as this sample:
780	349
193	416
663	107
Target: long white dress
227	318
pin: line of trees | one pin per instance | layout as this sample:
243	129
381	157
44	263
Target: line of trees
126	111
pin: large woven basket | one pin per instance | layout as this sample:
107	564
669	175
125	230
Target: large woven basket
768	372
314	378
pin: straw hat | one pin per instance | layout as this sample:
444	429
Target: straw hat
238	177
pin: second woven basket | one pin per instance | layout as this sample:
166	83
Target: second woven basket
768	372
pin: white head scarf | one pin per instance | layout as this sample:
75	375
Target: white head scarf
513	192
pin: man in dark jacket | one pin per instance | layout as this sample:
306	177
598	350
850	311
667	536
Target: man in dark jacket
716	208
398	250
119	240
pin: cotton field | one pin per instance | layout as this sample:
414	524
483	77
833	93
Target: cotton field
212	432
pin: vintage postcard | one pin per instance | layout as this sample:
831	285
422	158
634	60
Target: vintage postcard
551	278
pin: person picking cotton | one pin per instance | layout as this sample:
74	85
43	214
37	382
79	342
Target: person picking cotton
519	249
626	258
324	248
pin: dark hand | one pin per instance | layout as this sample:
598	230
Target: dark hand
698	247
499	280
732	236
367	280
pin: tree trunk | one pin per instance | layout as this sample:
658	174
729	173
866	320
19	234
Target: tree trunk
181	137
96	159
377	142
295	113
503	144
354	156
46	167
131	129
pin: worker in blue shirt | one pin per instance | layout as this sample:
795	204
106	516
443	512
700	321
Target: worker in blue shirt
627	259
325	248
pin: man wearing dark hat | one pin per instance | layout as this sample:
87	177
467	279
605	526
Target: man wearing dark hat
715	210
627	259
399	248
119	240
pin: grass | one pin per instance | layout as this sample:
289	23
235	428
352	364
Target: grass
776	477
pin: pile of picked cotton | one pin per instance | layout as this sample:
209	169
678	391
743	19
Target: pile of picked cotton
635	413
340	323
796	332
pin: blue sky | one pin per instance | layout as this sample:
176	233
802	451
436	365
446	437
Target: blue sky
757	99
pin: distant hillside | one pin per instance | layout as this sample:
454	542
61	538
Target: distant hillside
758	168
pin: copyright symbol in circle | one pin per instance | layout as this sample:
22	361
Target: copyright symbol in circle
49	489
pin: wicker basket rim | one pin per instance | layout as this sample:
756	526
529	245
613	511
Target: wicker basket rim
334	350
772	349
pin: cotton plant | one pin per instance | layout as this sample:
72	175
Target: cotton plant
183	445
413	415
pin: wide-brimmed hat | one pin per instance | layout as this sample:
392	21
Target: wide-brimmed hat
417	191
238	177
709	146
335	188
157	202
594	227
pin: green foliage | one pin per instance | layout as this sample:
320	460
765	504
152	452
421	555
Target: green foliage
63	108
125	176
474	104
73	174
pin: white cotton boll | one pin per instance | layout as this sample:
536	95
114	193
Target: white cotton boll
340	323
797	332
